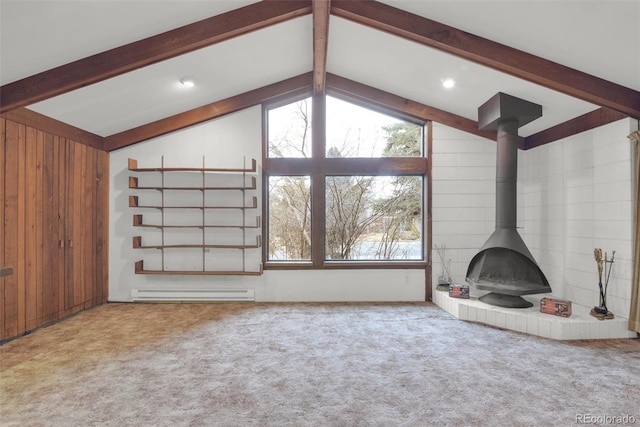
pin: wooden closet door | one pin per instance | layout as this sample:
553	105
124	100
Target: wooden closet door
76	219
2	262
65	203
53	227
32	205
50	247
14	320
82	200
101	229
56	160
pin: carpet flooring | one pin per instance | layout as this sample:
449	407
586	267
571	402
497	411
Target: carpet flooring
246	364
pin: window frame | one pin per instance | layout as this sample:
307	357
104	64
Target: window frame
318	167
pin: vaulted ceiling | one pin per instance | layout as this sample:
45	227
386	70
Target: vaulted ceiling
112	68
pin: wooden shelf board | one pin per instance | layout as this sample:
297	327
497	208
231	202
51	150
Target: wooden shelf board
198	247
201	273
137	244
133	166
138	222
193	207
193	188
139	269
195	226
133	202
133	184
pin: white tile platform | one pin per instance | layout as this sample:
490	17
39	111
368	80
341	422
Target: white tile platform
581	325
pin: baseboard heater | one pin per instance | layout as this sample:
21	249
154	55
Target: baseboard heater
202	295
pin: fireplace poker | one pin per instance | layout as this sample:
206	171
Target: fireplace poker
606	283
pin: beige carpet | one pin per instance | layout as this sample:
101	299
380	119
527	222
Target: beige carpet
245	364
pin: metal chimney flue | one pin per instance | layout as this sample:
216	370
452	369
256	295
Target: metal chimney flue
504	266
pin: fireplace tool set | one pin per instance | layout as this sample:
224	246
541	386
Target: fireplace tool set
601	312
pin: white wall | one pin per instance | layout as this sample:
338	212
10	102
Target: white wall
576	196
573	195
463	198
224	142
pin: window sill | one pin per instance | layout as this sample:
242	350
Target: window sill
346	265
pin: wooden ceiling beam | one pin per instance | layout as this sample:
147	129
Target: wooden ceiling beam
585	122
123	59
389	103
297	85
320	10
491	54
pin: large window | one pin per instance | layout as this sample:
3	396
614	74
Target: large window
344	185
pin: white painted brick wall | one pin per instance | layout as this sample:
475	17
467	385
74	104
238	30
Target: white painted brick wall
573	195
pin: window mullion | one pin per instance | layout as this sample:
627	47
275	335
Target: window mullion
318	148
318	127
318	219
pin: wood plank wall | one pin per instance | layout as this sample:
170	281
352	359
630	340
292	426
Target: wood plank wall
53	227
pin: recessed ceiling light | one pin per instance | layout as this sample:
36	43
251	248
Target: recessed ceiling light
187	82
448	82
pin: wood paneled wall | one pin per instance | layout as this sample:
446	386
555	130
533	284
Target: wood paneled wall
53	227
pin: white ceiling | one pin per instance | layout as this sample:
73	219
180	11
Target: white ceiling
601	38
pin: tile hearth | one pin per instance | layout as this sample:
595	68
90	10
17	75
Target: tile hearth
581	325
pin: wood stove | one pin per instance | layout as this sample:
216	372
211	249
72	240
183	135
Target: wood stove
504	266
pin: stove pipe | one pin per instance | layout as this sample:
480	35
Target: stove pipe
504	264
